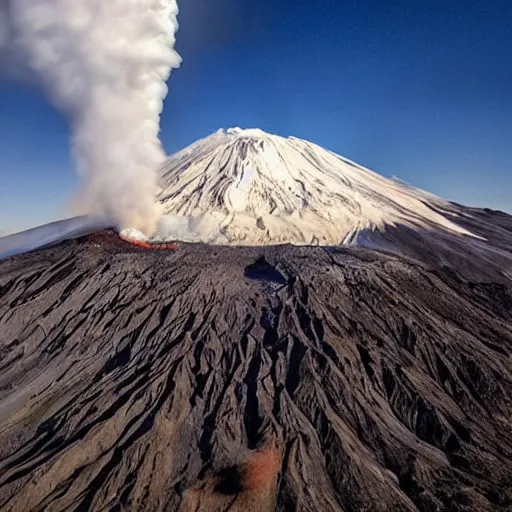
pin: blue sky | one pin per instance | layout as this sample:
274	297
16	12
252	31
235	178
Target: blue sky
419	89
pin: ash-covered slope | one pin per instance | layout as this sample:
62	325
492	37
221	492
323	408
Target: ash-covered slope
247	187
252	379
48	234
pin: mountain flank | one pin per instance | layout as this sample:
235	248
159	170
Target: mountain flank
253	378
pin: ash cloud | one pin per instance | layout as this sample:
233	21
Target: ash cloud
105	65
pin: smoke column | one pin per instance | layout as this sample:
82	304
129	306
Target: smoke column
105	63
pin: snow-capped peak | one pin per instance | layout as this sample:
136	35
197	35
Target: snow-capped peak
249	187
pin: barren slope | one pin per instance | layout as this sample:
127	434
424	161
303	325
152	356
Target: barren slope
251	379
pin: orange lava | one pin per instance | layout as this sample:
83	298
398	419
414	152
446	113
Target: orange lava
146	245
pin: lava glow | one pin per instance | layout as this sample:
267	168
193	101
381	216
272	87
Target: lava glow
141	244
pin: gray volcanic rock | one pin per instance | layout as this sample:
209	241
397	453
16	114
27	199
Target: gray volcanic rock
255	379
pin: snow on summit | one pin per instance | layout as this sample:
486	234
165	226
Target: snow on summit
247	187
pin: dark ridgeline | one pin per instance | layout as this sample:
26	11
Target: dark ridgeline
258	379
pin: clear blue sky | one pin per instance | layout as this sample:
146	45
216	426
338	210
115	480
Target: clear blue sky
419	89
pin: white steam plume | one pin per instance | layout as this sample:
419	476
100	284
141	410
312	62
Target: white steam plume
105	64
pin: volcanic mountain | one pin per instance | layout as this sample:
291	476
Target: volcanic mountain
254	188
342	343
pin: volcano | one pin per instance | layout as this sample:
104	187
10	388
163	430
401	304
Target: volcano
260	189
319	339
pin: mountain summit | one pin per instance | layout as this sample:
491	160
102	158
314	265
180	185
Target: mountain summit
261	189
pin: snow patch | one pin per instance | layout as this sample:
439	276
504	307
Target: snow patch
48	234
